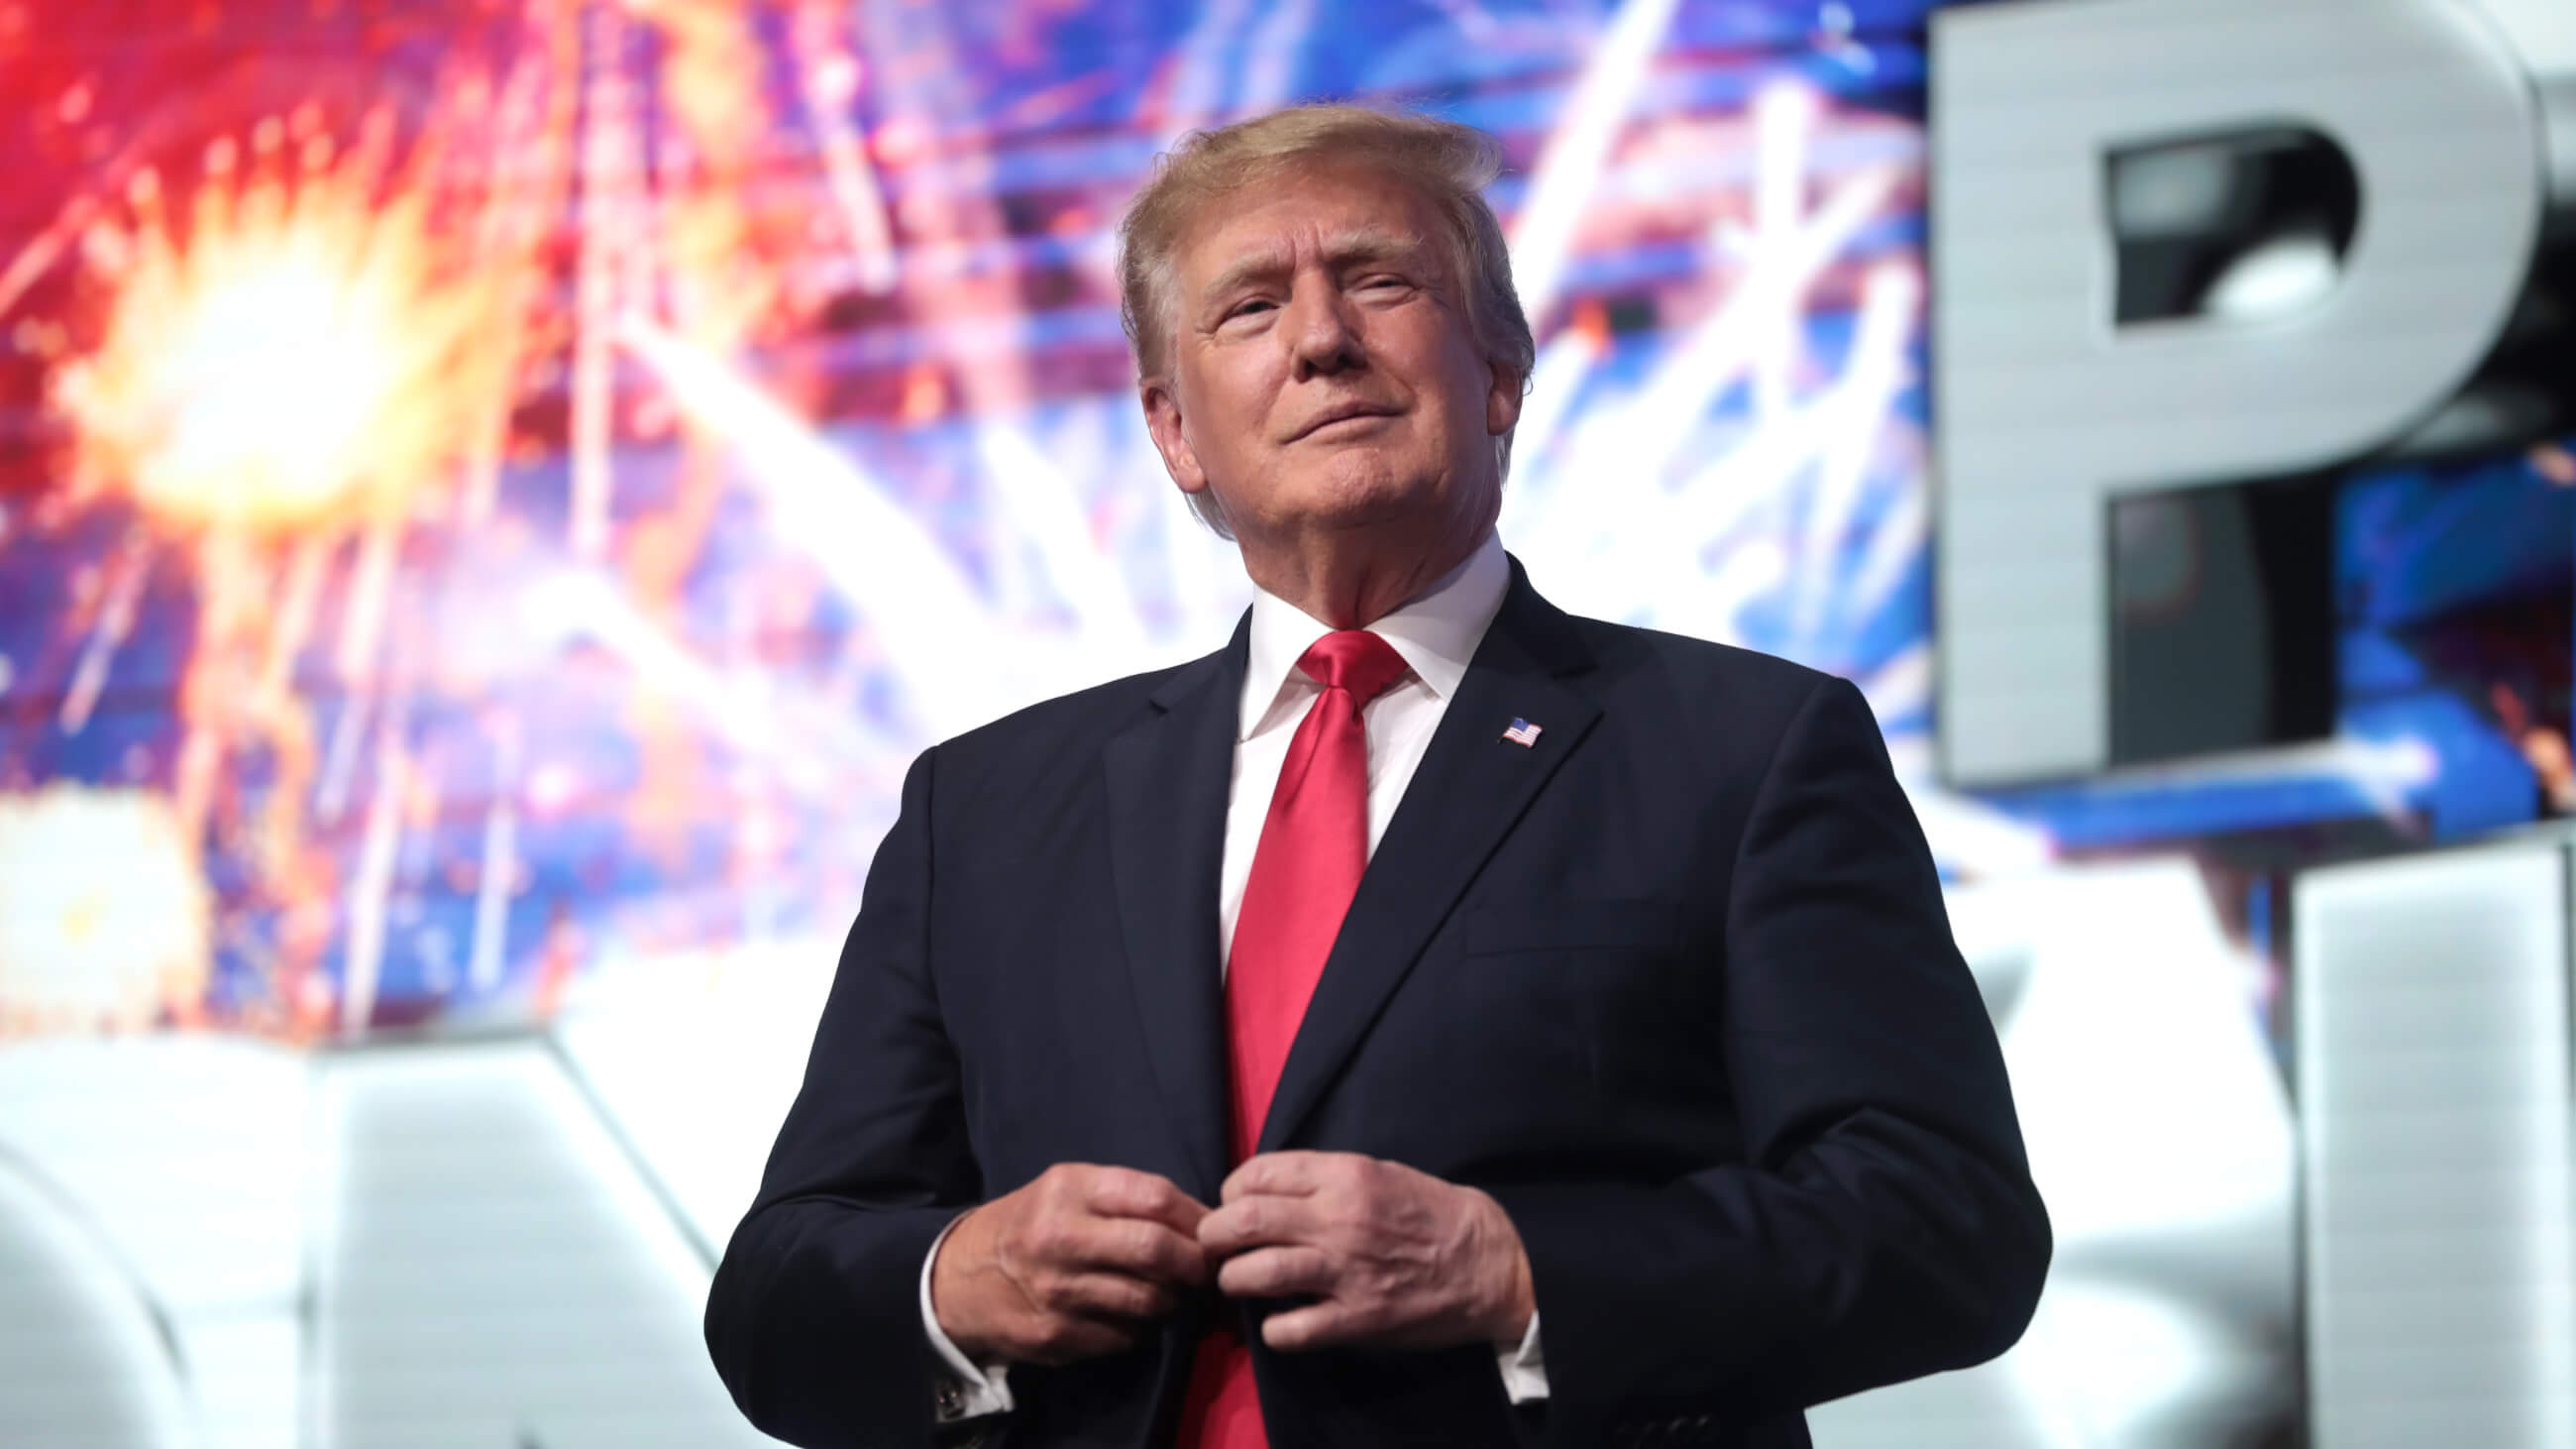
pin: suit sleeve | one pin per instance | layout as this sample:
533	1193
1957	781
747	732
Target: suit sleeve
1882	1223
814	1317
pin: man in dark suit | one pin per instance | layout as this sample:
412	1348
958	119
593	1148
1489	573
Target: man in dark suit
1431	1019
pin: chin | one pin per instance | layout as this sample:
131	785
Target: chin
1356	490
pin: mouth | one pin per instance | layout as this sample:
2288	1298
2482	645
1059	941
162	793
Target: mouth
1343	413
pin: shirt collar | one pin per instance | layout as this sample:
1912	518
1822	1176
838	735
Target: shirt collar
1436	631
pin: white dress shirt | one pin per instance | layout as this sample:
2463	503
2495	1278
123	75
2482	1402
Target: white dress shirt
1437	633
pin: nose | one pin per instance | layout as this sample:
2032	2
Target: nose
1323	337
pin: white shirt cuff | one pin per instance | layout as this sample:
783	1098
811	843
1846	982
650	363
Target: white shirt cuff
966	1391
1524	1368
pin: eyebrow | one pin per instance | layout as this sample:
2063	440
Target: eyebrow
1343	250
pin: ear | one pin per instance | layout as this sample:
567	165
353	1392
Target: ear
1502	400
1163	421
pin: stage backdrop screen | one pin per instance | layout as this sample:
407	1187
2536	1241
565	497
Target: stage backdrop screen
494	495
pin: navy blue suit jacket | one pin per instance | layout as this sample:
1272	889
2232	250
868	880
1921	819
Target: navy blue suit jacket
1674	984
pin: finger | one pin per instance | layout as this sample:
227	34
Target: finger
1277	1174
1255	1222
1121	1192
1137	1247
1278	1273
1317	1325
1118	1297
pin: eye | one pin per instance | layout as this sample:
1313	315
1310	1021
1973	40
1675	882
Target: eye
1247	307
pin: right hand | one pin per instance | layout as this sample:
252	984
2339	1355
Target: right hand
1070	1267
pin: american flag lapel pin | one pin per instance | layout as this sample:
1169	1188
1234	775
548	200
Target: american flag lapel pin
1522	733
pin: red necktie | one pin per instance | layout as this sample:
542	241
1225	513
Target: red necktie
1314	845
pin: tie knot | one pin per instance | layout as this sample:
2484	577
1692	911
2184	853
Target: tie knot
1353	659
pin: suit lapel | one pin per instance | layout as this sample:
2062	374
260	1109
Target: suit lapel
1471	787
1167	777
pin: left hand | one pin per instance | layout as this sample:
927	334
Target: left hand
1395	1258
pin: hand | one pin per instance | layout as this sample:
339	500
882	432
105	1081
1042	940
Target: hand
1397	1258
1069	1267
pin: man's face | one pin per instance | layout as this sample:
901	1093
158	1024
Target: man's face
1322	373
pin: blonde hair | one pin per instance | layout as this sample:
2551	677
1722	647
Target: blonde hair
1448	165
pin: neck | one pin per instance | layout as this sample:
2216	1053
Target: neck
1354	578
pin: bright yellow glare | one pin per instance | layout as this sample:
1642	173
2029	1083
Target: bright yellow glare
299	353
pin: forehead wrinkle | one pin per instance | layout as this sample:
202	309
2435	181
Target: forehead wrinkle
1372	244
1358	244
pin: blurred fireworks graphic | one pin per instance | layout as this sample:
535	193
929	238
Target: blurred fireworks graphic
84	948
515	483
296	356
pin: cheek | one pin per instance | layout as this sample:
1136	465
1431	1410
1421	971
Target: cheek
1454	380
1475	378
1236	399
